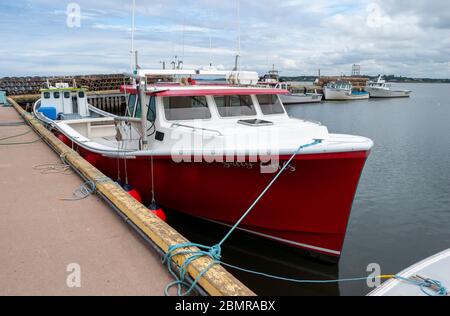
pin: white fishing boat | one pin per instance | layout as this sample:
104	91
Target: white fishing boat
297	98
382	89
272	78
342	91
430	277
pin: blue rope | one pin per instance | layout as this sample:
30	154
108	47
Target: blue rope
425	286
315	142
271	276
213	252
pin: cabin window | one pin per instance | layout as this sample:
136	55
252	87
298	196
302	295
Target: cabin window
46	95
151	113
56	95
81	94
67	95
131	104
186	108
270	104
235	105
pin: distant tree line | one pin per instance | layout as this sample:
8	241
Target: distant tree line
393	78
389	78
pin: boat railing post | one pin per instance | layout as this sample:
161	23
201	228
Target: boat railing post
142	89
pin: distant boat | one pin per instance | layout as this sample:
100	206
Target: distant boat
271	78
341	91
381	89
297	98
428	277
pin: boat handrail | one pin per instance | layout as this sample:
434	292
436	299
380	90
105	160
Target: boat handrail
197	128
127	119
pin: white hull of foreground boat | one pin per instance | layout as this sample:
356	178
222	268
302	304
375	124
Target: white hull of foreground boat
436	268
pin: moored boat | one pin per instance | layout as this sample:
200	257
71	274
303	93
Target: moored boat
297	98
210	150
343	91
382	89
272	78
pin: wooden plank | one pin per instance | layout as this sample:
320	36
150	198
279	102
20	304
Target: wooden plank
217	281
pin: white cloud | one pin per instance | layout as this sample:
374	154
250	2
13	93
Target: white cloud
299	36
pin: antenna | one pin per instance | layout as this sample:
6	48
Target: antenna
133	53
210	36
184	34
238	53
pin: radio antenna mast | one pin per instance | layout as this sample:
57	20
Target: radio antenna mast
238	53
183	42
134	61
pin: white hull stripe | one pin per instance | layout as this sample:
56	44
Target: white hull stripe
333	252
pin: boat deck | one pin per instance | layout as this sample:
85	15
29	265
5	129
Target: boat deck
40	235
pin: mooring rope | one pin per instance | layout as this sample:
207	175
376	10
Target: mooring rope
214	252
16	136
426	285
21	143
86	189
15	143
53	168
11	124
2	143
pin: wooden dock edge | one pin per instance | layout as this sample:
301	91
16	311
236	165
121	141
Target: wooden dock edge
216	282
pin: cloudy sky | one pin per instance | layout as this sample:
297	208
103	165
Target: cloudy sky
402	37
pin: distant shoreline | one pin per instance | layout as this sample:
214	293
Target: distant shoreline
392	79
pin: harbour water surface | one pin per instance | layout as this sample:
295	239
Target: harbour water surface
401	212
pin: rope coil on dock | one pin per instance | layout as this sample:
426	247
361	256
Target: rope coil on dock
86	189
53	168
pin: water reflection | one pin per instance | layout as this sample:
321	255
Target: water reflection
258	254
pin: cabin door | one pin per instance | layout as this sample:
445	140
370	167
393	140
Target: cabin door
75	104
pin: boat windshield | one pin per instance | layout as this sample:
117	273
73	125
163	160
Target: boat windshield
186	108
131	103
340	86
235	105
270	104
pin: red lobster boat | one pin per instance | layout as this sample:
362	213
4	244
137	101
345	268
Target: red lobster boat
209	150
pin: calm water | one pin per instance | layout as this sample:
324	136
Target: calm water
401	213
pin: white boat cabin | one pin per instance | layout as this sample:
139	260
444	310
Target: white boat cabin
283	86
207	103
380	84
62	102
233	118
340	86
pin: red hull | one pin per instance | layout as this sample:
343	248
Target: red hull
307	208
